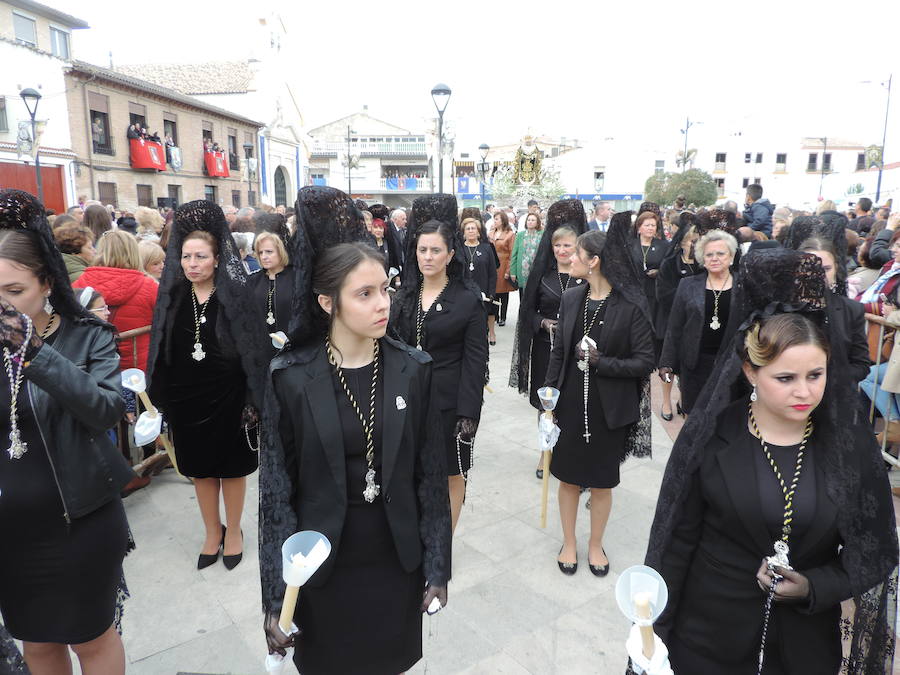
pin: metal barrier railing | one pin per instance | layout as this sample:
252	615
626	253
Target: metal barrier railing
882	324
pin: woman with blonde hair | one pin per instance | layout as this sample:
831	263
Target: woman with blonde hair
117	274
153	258
272	288
149	223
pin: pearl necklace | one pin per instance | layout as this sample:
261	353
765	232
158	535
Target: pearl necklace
14	364
583	364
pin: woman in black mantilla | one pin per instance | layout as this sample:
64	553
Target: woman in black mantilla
678	264
481	261
352	450
773	458
65	533
648	249
699	317
439	311
599	412
207	358
539	311
272	288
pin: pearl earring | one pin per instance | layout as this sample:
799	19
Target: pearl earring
753	396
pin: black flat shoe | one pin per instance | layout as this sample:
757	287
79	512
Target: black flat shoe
501	322
539	474
207	559
231	561
666	416
567	568
492	342
599	570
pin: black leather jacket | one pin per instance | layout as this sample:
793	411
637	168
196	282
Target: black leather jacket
74	388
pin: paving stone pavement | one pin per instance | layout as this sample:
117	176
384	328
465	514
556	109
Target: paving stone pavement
510	610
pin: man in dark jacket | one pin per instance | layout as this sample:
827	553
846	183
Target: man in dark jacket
864	220
757	214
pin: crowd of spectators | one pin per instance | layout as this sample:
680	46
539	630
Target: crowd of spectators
137	131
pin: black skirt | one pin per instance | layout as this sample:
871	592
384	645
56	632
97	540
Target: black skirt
540	361
691	381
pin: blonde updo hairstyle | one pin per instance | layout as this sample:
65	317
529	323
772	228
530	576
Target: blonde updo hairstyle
768	338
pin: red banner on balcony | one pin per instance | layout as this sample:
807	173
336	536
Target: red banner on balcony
216	163
147	155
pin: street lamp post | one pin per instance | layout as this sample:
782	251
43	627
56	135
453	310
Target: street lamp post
483	149
687	127
248	150
824	152
31	98
887	109
440	94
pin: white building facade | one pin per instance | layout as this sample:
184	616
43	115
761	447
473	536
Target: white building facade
38	40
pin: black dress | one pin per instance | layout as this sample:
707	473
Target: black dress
647	258
549	293
481	267
366	618
72	570
692	380
205	401
593	463
282	291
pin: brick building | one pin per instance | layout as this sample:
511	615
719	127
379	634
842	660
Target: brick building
103	103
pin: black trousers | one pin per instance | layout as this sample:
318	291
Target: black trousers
504	303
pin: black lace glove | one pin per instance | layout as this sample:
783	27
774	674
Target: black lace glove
466	428
593	355
432	592
13	328
249	417
277	641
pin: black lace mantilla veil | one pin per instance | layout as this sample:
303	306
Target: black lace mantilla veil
829	228
617	265
241	330
567	212
22	211
773	281
440	207
325	217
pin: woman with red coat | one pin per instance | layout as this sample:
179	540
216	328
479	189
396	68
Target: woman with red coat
129	292
503	237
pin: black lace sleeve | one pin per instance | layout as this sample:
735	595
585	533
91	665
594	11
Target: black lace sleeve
431	487
277	518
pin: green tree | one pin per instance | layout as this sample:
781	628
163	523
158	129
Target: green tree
697	186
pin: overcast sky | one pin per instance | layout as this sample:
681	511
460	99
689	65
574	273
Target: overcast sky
586	70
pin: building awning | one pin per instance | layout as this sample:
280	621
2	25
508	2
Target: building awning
628	197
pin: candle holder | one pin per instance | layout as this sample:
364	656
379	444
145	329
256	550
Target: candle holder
301	556
642	594
148	426
548	434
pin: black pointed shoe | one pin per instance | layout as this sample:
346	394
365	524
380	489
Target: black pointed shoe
207	559
600	570
231	561
567	568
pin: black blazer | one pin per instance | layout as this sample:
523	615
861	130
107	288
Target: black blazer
850	317
484	258
682	342
413	478
715	605
456	338
626	353
258	287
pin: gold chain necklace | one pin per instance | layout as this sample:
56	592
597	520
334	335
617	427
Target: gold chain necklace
563	289
714	324
199	317
421	314
645	251
372	489
270	302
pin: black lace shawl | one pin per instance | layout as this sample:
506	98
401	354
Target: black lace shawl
566	212
22	211
241	332
11	661
773	281
440	207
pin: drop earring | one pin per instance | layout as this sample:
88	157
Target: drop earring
753	396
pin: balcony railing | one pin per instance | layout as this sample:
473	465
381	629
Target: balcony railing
720	166
390	149
406	184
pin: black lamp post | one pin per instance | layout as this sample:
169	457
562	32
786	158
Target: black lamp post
31	98
440	94
824	140
483	149
887	110
248	154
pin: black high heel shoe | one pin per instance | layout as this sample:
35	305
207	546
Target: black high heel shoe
599	570
667	417
567	568
231	561
539	473
207	559
679	409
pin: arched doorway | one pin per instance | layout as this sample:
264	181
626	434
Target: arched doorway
281	191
